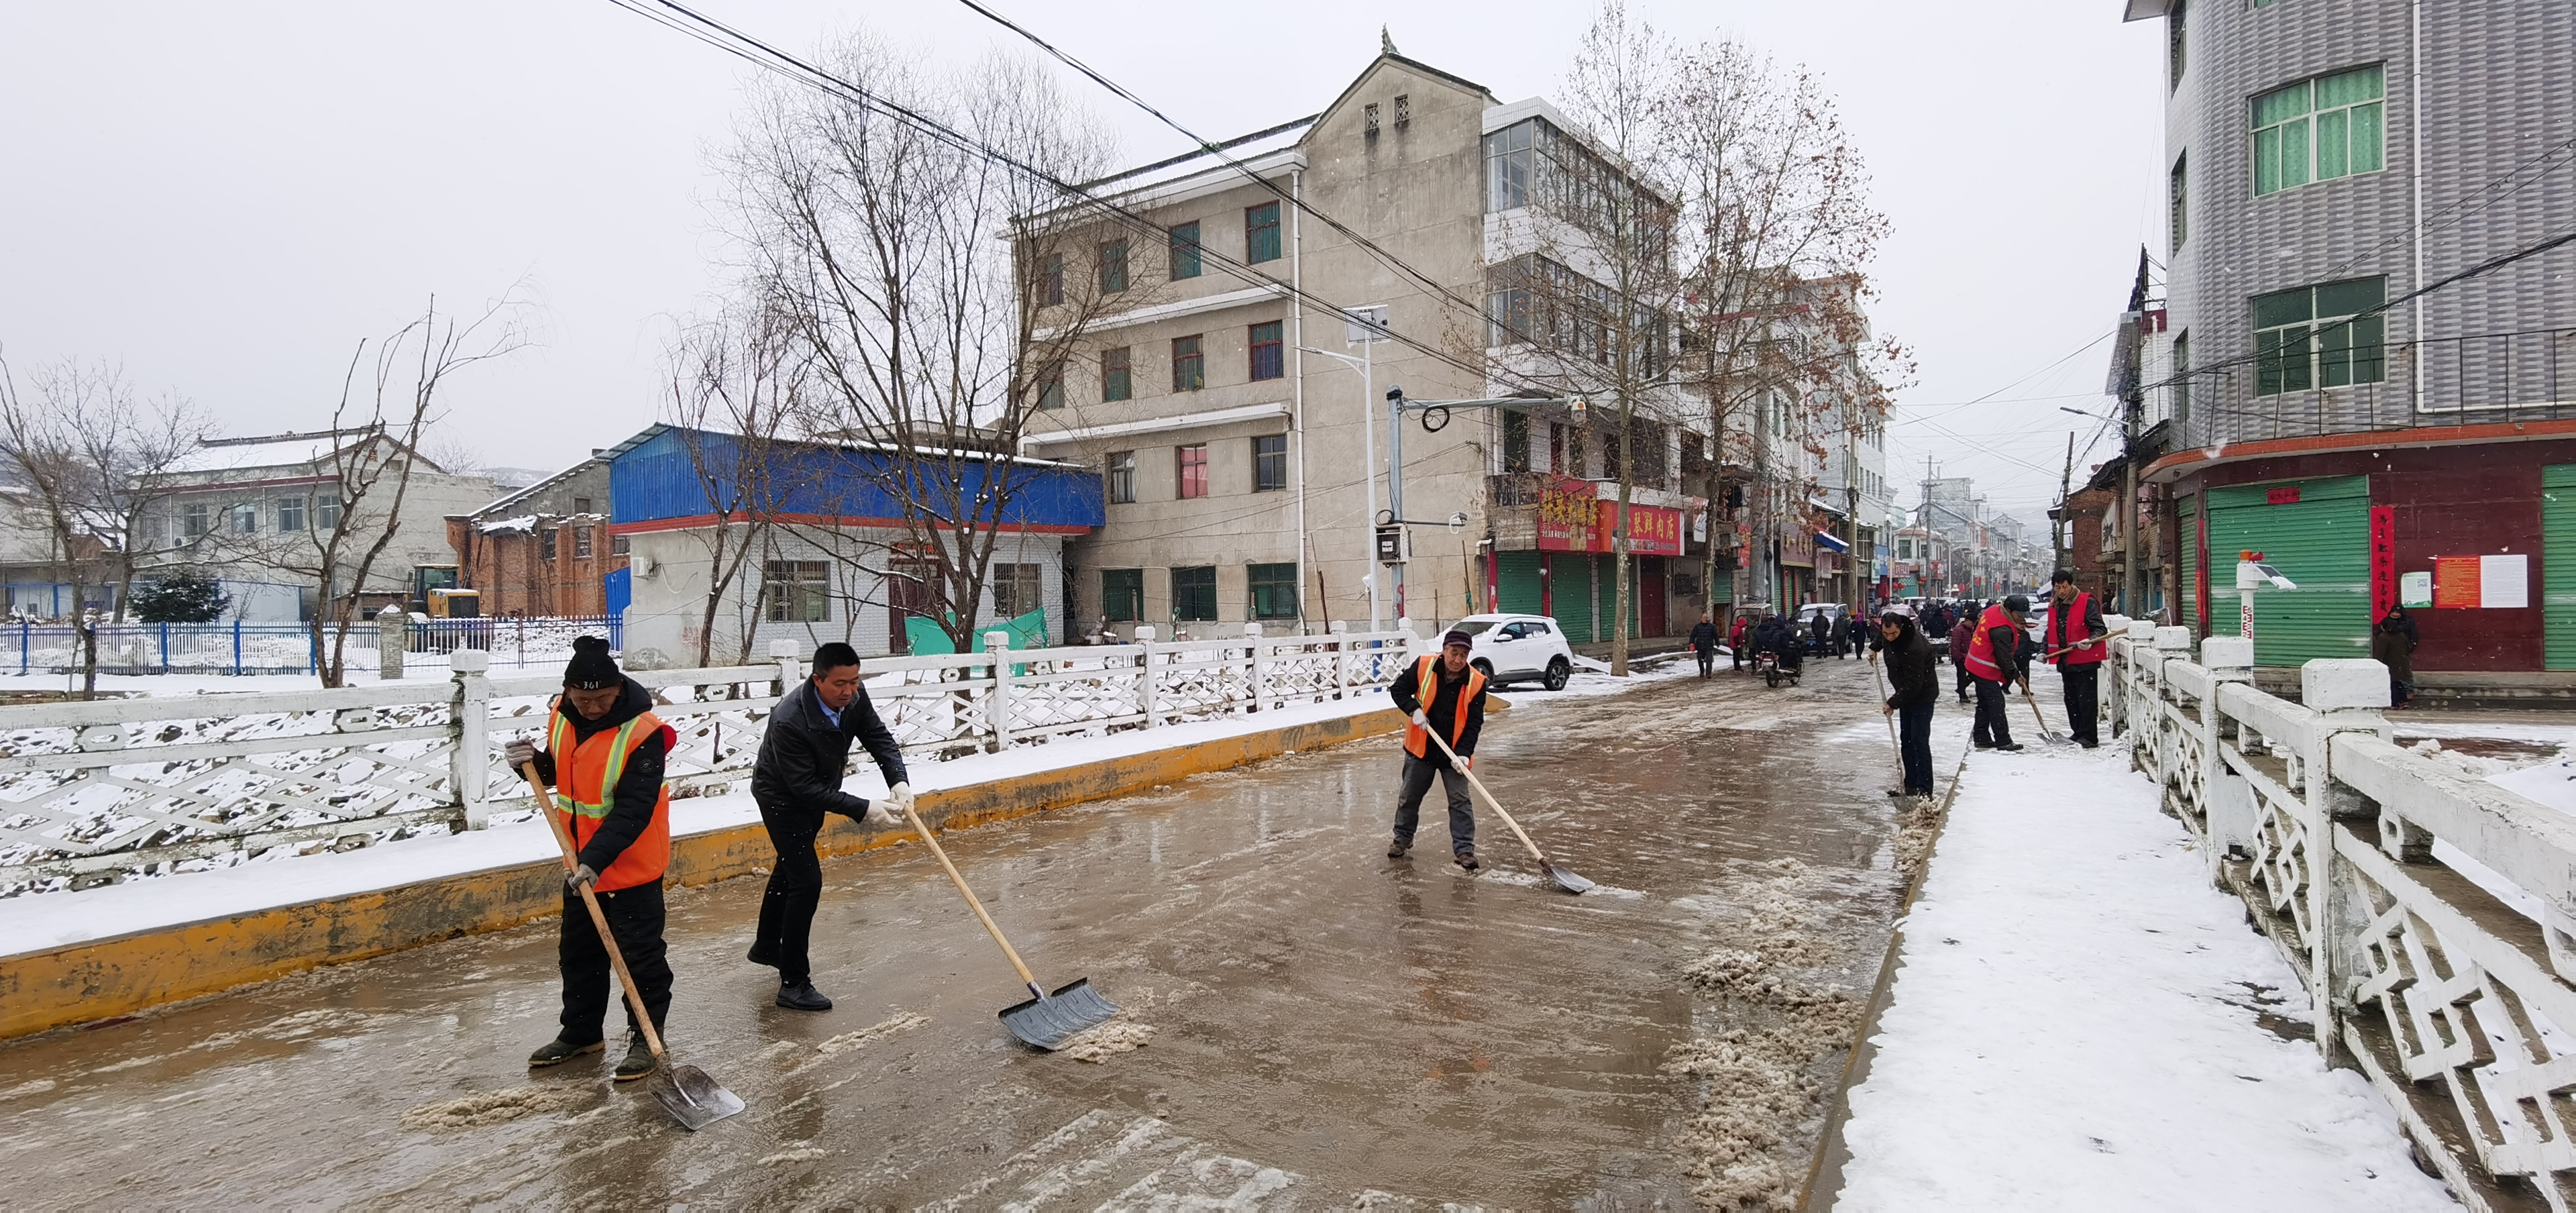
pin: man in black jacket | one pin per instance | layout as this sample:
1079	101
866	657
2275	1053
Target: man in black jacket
795	780
1915	675
1440	692
1703	641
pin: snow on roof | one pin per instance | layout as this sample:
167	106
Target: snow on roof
274	451
524	524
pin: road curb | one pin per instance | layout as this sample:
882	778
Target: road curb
105	979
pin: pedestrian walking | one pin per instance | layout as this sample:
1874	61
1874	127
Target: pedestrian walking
1703	641
2080	640
1962	632
796	779
1737	640
1443	692
1914	678
2392	644
1995	654
1819	632
604	752
1841	640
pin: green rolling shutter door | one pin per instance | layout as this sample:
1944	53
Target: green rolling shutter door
1517	583
2187	527
2558	565
1721	590
1570	594
2321	542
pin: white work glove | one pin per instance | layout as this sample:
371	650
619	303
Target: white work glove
519	752
1421	720
580	875
899	799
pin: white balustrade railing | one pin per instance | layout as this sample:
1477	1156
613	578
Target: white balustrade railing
2448	984
101	791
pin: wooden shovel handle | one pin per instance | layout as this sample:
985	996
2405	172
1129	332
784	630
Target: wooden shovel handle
607	938
1026	978
1490	802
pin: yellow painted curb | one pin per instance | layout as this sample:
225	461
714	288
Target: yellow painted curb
105	978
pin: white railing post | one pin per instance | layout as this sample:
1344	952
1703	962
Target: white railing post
1145	674
997	712
1339	631
469	719
2172	644
393	639
2229	799
1252	666
2348	695
791	669
2111	700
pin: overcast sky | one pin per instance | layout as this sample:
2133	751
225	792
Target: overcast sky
225	198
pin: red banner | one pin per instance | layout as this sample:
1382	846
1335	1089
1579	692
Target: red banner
2383	561
1652	530
1568	512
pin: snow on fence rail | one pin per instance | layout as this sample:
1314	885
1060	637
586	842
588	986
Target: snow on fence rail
91	793
287	648
2447	983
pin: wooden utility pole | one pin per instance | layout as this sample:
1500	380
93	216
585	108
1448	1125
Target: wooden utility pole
2062	557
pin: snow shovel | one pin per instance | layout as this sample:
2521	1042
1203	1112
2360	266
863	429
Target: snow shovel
1564	879
1898	746
1046	1020
2051	736
686	1092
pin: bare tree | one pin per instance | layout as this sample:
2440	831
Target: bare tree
734	386
942	296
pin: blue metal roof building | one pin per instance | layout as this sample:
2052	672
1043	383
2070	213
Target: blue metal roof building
668	477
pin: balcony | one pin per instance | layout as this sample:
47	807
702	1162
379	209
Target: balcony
2499	378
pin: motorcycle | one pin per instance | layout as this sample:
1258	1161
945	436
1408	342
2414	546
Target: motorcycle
1767	664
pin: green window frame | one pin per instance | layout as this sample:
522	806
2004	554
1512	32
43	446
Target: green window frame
1274	590
796	591
1113	267
2178	201
1185	250
1189	365
1051	280
1194	594
1267	351
2177	45
1051	390
1117	376
2320	130
2182	377
1261	232
2316	337
1122	595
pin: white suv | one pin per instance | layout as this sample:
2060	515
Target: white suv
1518	648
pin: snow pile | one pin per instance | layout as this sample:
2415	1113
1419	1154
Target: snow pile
1108	1040
497	1107
901	1021
2080	1012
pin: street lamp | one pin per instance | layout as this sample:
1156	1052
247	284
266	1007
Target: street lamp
1365	327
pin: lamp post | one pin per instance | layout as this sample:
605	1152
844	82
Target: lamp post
1365	327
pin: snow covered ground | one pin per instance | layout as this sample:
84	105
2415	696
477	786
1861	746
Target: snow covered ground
2079	1021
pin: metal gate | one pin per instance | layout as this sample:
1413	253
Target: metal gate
1569	576
2317	533
1517	585
2558	565
2187	532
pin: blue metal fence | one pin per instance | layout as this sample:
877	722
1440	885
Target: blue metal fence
289	648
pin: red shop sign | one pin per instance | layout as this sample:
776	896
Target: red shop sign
2287	494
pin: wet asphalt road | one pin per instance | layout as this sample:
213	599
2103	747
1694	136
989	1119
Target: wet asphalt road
1326	1023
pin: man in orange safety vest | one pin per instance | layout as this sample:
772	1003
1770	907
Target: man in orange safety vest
1441	692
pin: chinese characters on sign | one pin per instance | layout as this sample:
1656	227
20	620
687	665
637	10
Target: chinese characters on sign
2383	560
2501	582
1573	518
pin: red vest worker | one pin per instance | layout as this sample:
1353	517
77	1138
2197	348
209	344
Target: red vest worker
2079	641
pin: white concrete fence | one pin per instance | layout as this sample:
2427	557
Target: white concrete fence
92	793
2444	979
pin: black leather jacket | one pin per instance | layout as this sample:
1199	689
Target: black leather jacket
803	757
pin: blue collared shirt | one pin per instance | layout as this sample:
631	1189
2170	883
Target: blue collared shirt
828	713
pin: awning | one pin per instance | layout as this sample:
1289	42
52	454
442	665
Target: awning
1831	544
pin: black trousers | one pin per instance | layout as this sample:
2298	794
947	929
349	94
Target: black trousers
635	918
1418	774
1914	742
795	889
1707	661
1963	681
1994	725
2083	700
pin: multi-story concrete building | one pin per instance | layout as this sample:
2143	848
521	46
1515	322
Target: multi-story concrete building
2368	339
1238	416
545	549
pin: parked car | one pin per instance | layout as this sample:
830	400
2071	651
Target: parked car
1806	623
1519	648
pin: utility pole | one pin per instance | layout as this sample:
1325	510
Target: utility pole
2060	556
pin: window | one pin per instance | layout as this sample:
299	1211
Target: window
1270	463
2315	337
1017	590
2178	201
1122	594
2177	46
1189	368
1051	389
1113	267
1511	161
1274	590
581	543
2182	376
618	545
545	543
1122	477
1266	350
796	591
246	519
1510	306
195	520
290	515
1117	382
581	505
1368	120
1051	280
1403	111
1194	594
1185	251
1194	470
1261	232
2318	130
1516	446
326	514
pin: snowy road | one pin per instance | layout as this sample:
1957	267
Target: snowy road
1323	1023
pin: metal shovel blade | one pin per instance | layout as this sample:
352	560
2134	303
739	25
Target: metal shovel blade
1046	1023
1565	880
693	1098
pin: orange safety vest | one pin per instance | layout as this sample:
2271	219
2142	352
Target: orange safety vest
2066	627
1417	742
1981	645
587	771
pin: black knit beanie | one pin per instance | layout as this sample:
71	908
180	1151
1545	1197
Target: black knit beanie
591	668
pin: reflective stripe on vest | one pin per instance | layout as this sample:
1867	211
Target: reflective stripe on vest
1427	688
587	773
2061	620
559	739
1981	645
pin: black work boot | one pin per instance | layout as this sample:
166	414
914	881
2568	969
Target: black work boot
1467	859
802	996
639	1062
1397	848
558	1051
